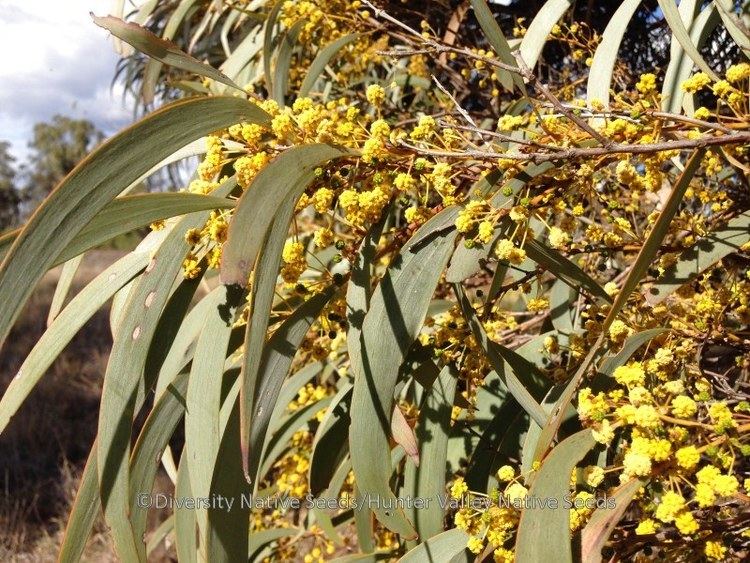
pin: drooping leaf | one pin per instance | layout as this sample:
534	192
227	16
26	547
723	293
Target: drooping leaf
562	268
679	32
441	548
160	49
182	349
202	418
126	213
734	25
599	527
544	529
268	43
397	310
291	388
322	59
276	444
83	514
359	289
330	442
154	437
229	537
700	26
261	538
65	326
62	288
600	75
186	540
98	179
631	345
285	177
499	43
642	262
466	261
124	383
539	29
276	360
284	62
159	535
428	480
152	70
498	355
263	289
651	246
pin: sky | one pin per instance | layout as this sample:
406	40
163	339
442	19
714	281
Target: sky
55	60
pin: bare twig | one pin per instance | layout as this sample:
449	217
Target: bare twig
563	153
460	110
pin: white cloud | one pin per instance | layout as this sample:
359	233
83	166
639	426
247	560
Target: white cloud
55	60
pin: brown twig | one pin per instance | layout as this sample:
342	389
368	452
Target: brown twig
583	152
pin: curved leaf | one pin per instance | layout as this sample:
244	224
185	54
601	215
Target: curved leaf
83	514
64	327
680	65
540	28
600	75
700	257
228	540
428	480
642	262
98	179
160	49
322	59
62	288
123	381
277	357
284	62
544	530
441	548
184	519
498	355
286	176
672	15
631	345
329	444
734	25
562	268
268	43
126	213
397	310
261	538
202	418
499	44
263	290
154	437
599	527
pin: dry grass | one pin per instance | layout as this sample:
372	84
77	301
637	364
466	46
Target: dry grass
43	450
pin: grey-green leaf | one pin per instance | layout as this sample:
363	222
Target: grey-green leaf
441	548
544	531
397	310
286	176
322	59
160	49
98	179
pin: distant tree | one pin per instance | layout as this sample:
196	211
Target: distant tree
9	198
56	148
